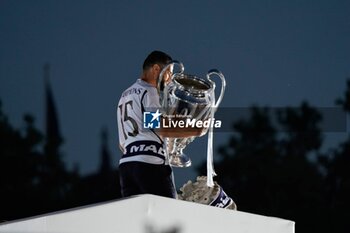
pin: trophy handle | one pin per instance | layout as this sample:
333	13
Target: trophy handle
160	83
210	161
223	84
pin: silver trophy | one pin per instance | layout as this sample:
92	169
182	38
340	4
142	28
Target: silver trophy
183	96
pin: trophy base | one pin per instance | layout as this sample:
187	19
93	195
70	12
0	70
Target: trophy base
180	161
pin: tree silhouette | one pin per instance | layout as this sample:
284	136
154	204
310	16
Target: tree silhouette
35	180
100	186
303	190
20	174
337	180
33	176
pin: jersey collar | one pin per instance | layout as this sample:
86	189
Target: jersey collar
143	83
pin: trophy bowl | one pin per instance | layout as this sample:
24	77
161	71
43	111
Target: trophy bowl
185	100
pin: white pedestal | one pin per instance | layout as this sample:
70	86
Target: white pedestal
149	214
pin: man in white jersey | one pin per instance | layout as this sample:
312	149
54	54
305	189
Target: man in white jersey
142	166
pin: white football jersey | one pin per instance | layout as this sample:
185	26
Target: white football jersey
136	142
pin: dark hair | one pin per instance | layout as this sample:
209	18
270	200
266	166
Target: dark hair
156	57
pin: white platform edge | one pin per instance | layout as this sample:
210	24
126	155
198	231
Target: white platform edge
136	213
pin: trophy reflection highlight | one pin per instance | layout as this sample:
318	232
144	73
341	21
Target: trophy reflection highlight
189	98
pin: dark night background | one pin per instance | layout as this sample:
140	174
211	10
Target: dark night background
64	64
